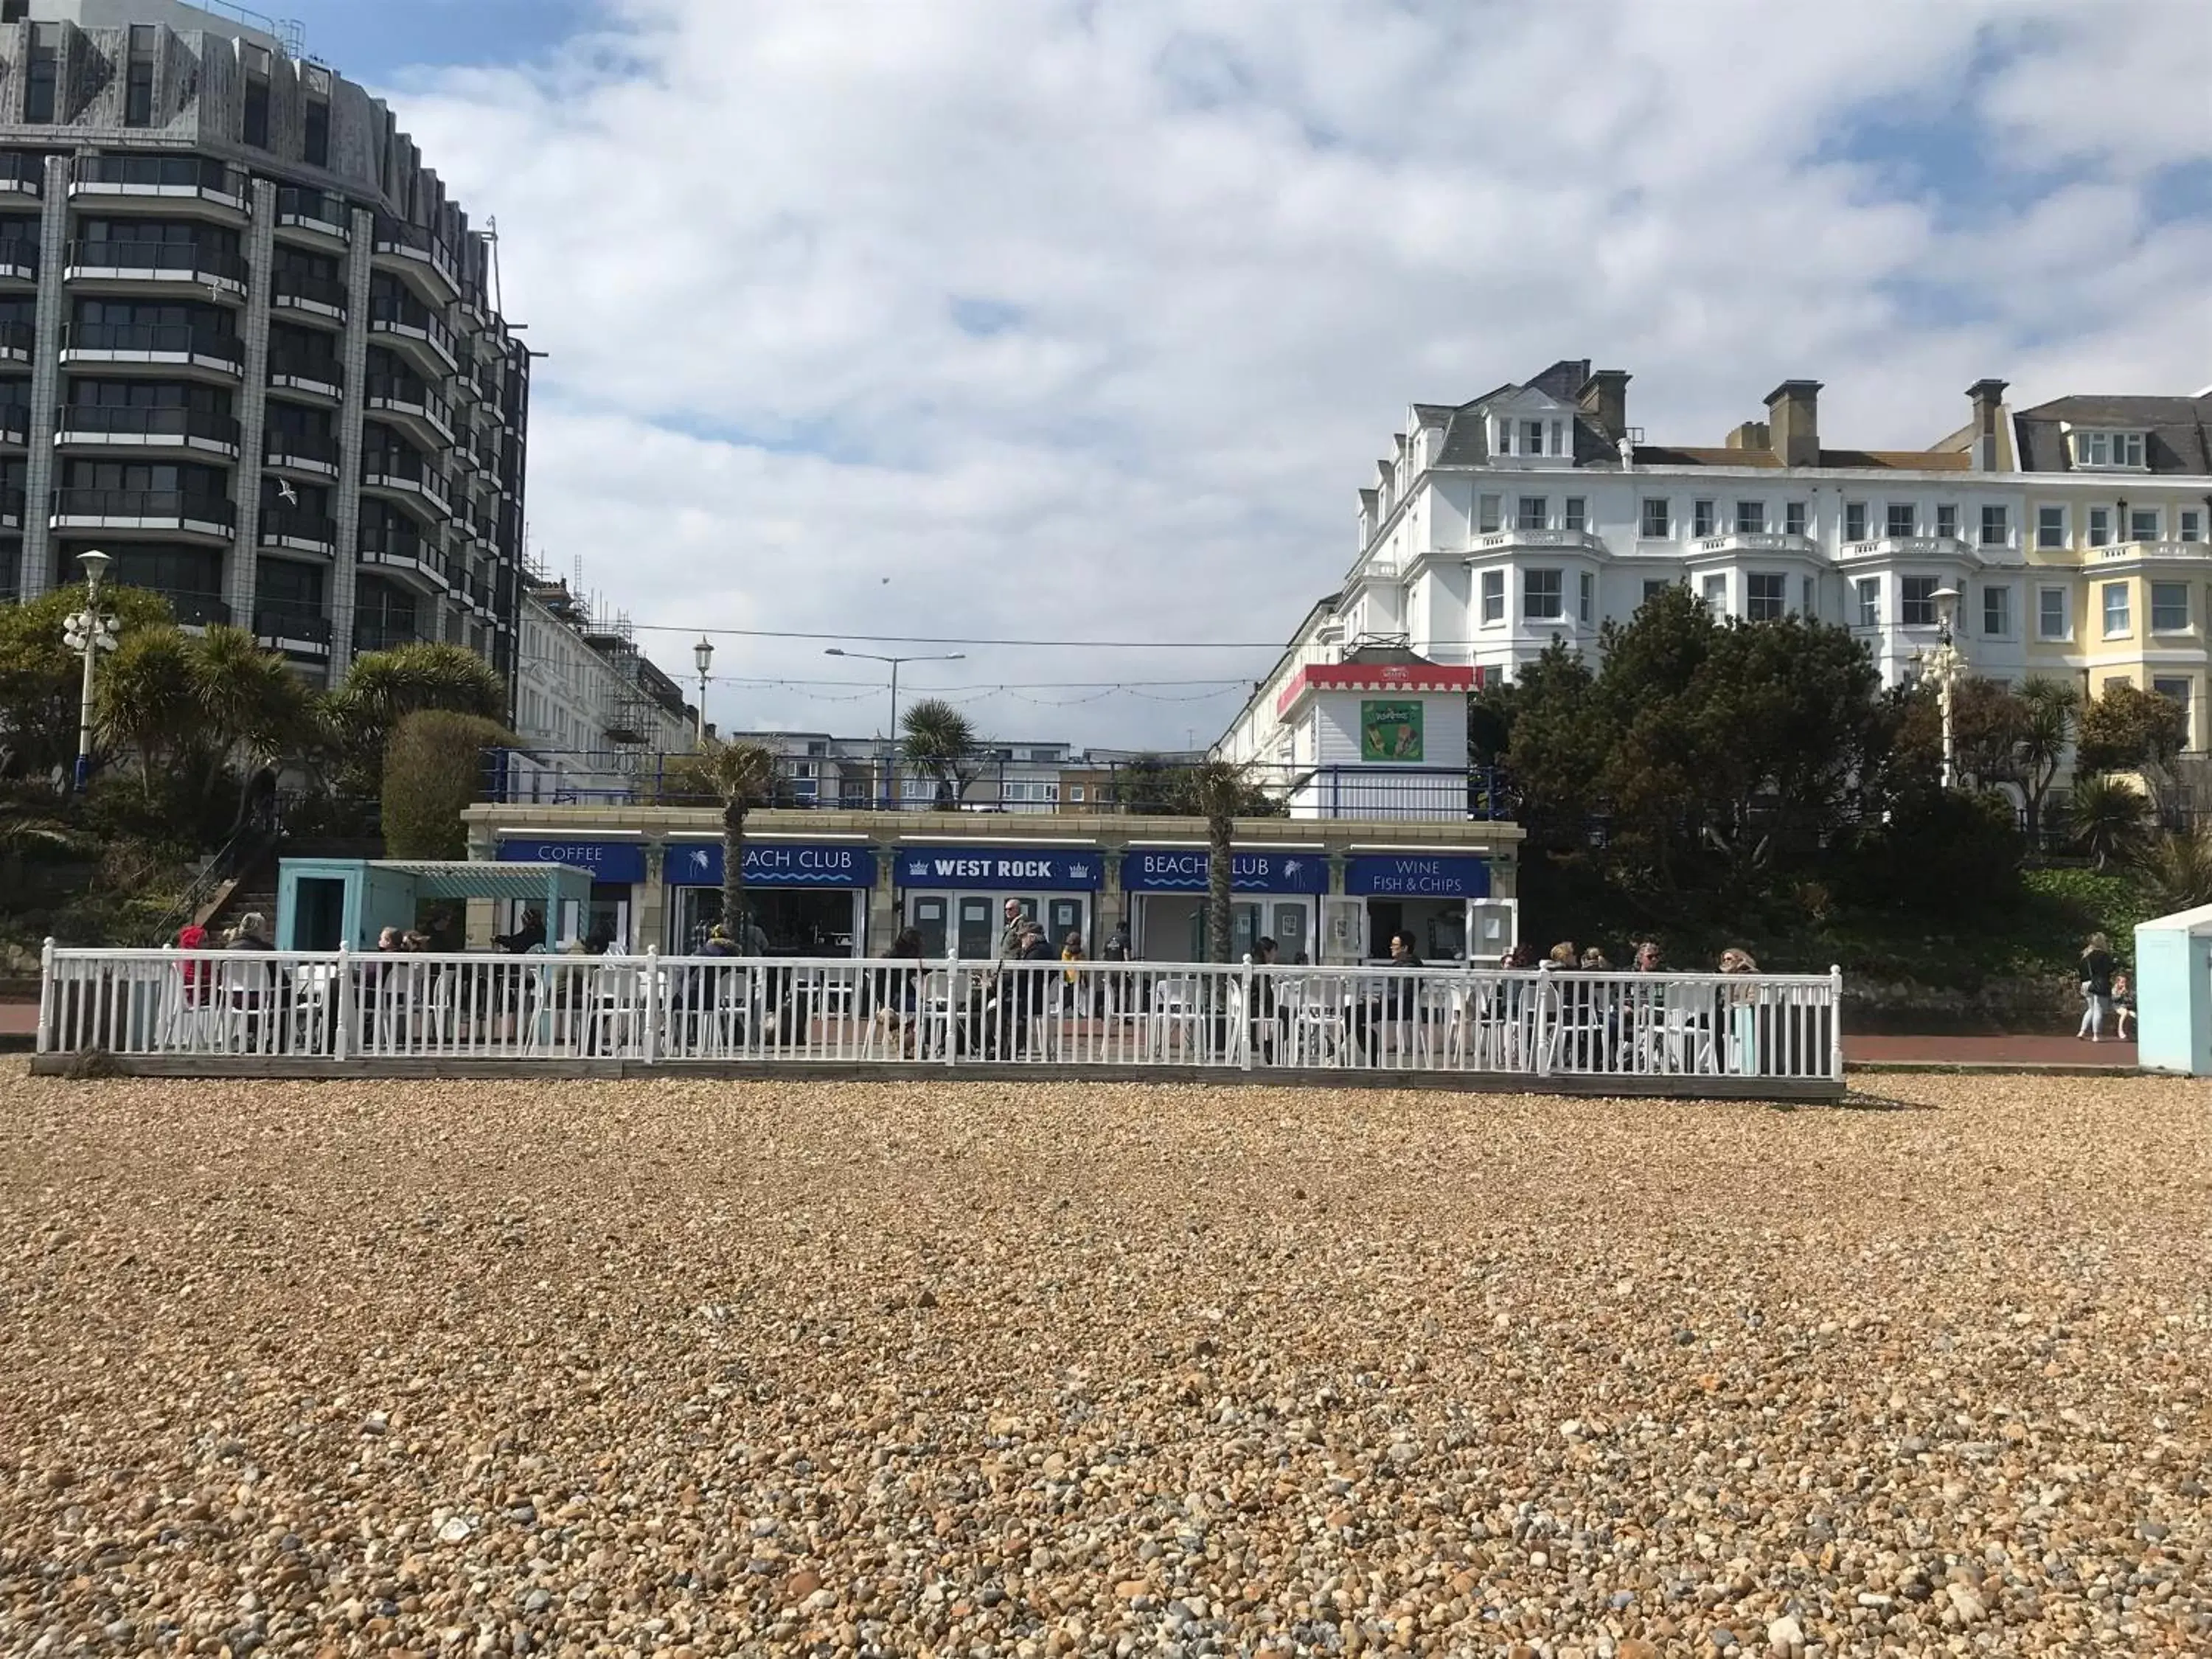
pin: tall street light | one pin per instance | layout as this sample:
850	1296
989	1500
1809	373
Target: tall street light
88	632
703	654
1946	666
891	769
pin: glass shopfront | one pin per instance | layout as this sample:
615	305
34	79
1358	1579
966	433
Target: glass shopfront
617	867
1432	896
957	895
1274	896
811	898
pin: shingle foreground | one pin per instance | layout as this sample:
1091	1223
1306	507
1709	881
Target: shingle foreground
702	1368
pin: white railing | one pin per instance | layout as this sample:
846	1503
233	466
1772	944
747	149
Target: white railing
348	1007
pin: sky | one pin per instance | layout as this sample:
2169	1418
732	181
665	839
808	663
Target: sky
1067	320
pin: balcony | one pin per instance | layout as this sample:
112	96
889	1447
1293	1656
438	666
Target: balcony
422	338
164	266
384	634
323	218
407	477
421	412
22	174
410	555
413	249
17	341
2160	549
160	181
317	377
292	629
313	452
164	345
19	259
128	426
1507	541
1757	541
175	512
196	612
317	299
14	426
11	506
1435	794
1907	547
298	528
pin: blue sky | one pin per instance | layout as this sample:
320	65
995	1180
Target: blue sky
1038	319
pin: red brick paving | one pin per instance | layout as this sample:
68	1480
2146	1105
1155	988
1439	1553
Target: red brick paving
18	1018
1986	1051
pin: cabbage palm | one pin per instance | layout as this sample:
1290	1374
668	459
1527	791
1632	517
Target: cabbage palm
742	774
1216	790
2175	868
938	741
2108	816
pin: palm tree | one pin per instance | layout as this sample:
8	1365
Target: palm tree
145	701
2176	870
2108	815
252	707
2051	706
742	774
940	742
1216	790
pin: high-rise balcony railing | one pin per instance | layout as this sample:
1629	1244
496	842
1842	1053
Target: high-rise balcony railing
413	326
19	259
22	173
146	427
408	475
187	512
316	296
152	343
316	211
291	628
11	506
181	263
397	394
164	178
417	246
324	377
382	546
385	632
304	452
283	526
14	425
17	341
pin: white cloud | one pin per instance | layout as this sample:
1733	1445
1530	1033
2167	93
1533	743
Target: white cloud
1214	250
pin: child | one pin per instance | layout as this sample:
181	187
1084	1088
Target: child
2123	1005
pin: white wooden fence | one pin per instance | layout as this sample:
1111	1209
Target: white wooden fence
344	1006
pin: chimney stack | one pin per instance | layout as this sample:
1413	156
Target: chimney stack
1604	397
1989	409
1792	416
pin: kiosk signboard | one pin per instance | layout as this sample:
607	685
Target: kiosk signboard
773	864
612	862
1416	875
999	869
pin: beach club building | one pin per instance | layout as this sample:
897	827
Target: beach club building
839	882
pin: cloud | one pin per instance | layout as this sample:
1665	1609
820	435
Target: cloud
1082	321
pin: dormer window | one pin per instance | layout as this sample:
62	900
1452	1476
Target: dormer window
1505	437
2107	448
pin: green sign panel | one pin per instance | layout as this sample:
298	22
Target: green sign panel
1389	731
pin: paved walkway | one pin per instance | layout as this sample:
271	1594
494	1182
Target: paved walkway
1992	1051
19	1018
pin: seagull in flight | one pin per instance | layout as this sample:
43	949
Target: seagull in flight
288	495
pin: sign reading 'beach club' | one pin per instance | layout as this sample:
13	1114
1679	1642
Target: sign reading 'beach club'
615	862
1181	871
772	864
1417	876
999	869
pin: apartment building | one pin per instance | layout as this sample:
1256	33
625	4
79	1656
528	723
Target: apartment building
2074	534
249	345
820	769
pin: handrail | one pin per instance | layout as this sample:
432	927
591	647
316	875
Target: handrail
218	870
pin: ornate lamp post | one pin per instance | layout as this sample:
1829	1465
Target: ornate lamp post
703	654
1946	666
88	632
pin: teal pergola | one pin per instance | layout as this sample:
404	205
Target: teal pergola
322	903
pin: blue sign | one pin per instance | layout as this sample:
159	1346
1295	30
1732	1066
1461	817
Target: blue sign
772	864
999	869
1416	875
1182	870
617	862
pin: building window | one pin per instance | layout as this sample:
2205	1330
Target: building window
2189	525
1658	517
1532	513
1808	591
2051	613
1716	595
1652	590
138	78
1701	517
2051	527
1996	612
1505	437
255	124
40	77
1997	528
1577	513
1586	599
1075	793
2142	524
1916	598
1947	520
1531	437
1487	512
2108	449
2177	690
1750	517
1855	521
1543	595
1865	593
2169	607
1793	517
318	133
2116	610
1765	596
1898	518
2100	526
1493	596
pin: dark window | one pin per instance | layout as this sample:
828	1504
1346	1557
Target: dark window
257	114
138	93
191	570
319	134
286	584
212	319
301	418
150	394
193	480
38	80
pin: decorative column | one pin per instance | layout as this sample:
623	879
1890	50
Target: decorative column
36	573
652	924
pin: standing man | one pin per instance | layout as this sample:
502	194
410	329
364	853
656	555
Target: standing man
1010	934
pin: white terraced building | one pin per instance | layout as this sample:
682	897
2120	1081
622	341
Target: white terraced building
2075	532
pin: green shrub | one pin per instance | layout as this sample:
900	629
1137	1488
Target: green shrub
433	769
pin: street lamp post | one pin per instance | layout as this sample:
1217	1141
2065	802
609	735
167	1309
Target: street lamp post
88	632
890	764
703	654
1946	666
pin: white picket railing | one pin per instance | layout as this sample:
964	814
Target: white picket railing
653	1010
